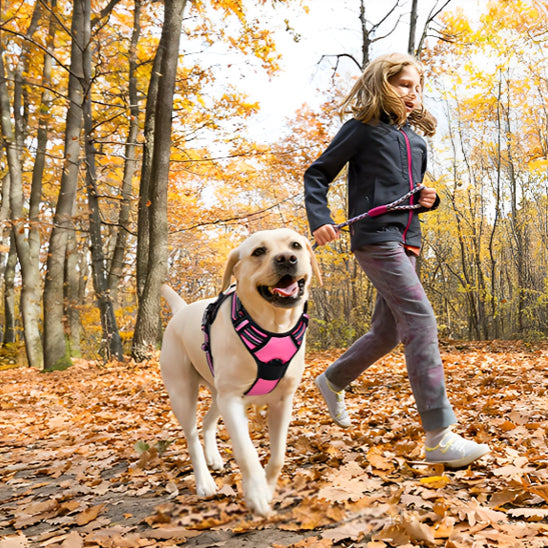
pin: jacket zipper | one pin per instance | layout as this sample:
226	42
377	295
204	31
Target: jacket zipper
411	183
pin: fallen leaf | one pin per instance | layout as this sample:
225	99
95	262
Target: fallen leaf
89	514
532	514
435	482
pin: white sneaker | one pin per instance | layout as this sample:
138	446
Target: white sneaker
454	451
334	400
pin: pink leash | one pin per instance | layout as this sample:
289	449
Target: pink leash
382	209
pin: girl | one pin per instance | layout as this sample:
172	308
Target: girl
386	159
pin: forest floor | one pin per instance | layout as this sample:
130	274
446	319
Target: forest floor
93	457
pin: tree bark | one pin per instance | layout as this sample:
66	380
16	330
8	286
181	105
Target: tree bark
111	342
8	335
8	261
412	28
72	294
143	220
130	165
147	328
55	342
30	274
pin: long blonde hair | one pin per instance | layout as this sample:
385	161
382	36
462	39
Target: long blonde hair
373	98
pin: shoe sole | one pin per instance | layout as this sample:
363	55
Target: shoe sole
461	462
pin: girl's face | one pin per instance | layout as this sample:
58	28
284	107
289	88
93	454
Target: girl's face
407	85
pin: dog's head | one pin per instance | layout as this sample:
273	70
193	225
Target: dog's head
273	265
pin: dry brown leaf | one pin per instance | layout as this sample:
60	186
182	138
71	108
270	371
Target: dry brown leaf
477	514
353	530
394	534
503	497
14	541
531	514
73	540
417	530
444	528
35	513
377	458
180	534
435	482
540	490
89	514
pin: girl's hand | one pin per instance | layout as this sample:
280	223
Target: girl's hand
427	197
326	234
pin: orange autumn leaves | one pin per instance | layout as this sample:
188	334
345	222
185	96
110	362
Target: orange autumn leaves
94	457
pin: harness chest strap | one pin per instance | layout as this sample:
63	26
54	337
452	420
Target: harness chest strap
272	352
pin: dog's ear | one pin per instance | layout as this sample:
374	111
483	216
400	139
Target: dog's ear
314	262
233	258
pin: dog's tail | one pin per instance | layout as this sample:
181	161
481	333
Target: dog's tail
173	299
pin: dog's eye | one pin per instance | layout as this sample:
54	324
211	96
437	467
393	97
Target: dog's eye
259	251
296	245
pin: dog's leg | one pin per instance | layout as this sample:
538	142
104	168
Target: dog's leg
256	491
213	457
182	384
279	417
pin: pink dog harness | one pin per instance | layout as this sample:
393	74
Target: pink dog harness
272	352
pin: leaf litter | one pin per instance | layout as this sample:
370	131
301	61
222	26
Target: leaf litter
93	457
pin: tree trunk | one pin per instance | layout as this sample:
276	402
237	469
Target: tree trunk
412	28
147	327
143	221
30	294
6	272
9	294
366	36
112	343
72	295
55	345
130	165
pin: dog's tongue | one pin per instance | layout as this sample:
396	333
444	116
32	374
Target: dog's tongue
286	291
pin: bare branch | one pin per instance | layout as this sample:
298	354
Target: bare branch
434	12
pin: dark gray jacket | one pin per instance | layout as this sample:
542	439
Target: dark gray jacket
384	163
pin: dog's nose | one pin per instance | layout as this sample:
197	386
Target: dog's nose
286	258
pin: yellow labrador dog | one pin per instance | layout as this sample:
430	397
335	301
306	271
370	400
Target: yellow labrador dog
247	347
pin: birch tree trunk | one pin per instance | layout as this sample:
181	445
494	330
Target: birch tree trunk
30	273
147	328
8	261
8	335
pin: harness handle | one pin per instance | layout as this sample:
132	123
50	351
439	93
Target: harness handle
382	209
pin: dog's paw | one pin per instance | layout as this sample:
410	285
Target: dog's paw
214	459
260	507
258	496
206	487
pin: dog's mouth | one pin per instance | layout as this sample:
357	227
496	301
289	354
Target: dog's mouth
286	292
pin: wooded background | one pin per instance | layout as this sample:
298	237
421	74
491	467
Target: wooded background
127	160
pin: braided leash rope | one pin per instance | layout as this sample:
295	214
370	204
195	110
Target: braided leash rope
382	209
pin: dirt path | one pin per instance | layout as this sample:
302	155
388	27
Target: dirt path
94	457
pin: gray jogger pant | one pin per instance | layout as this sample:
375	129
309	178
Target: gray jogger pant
402	313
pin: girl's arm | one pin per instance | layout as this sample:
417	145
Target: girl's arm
321	173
